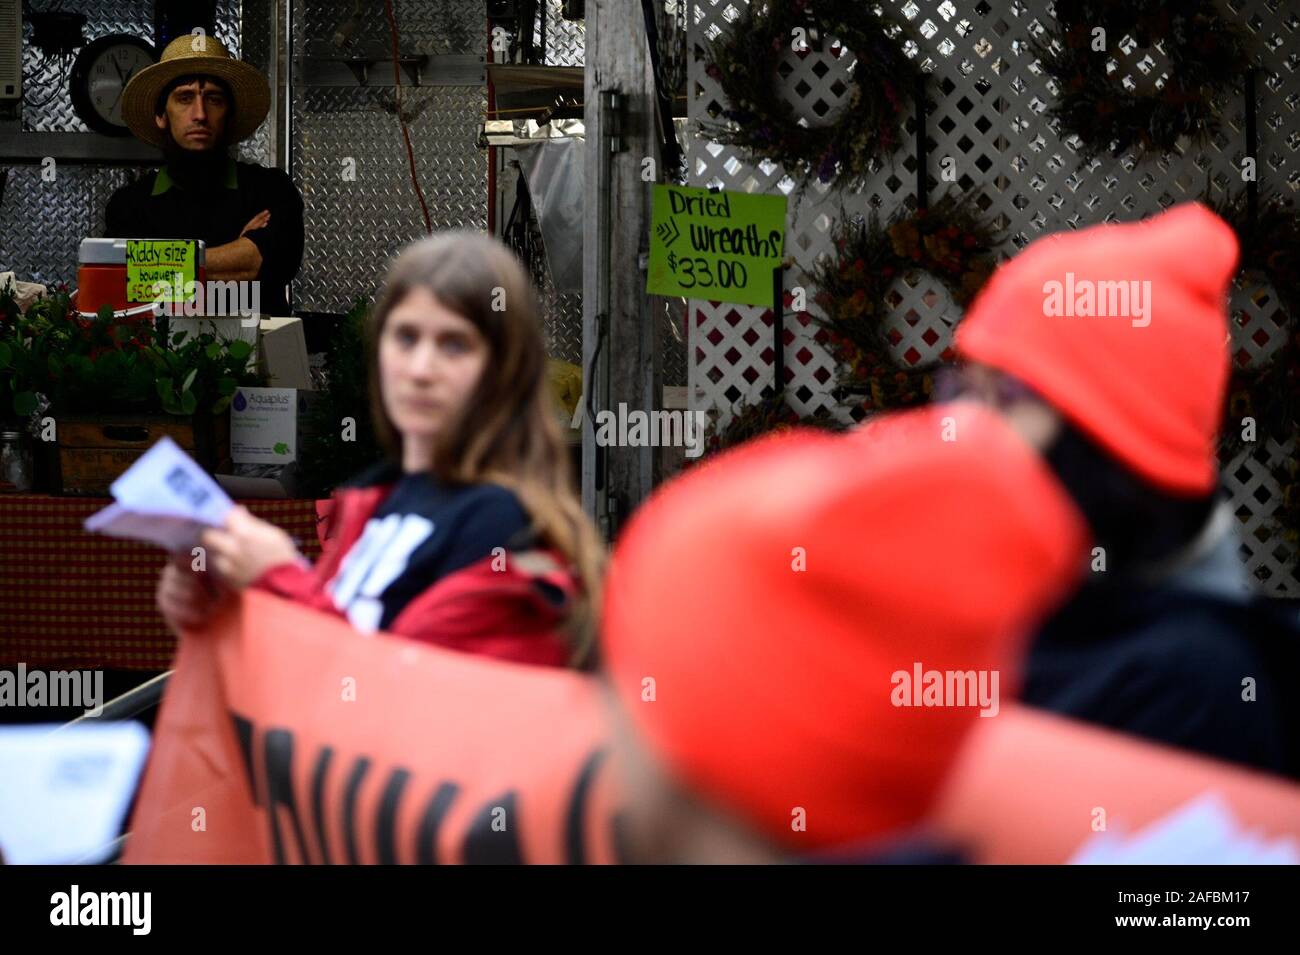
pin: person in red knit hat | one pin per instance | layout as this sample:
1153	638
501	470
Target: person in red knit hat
1107	349
766	618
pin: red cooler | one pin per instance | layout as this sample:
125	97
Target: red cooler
101	278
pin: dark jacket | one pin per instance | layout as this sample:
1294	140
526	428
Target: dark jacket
1169	656
158	206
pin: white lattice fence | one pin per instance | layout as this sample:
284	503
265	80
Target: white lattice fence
988	97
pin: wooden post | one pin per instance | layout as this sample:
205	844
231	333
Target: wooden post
617	320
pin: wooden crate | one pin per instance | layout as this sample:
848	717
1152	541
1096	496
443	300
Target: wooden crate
94	450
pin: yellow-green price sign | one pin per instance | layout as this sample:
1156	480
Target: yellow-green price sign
720	246
161	270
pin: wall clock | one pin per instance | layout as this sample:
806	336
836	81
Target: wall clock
100	73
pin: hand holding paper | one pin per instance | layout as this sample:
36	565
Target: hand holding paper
246	547
165	498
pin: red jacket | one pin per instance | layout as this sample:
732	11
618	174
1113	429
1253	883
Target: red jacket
478	609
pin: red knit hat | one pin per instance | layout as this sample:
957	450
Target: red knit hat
773	594
1142	374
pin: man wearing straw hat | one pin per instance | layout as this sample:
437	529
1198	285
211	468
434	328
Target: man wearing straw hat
194	104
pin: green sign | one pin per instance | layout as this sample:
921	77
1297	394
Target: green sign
720	246
161	270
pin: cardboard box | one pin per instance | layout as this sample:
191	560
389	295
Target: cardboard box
282	346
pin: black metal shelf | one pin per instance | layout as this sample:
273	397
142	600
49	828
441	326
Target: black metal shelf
91	148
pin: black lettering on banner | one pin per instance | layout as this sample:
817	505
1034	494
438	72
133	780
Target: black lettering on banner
359	769
483	844
318	775
386	821
575	841
431	822
486	846
244	735
277	748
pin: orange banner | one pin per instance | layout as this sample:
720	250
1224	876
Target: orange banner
1031	787
377	749
367	750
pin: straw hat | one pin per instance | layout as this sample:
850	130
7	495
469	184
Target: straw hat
193	53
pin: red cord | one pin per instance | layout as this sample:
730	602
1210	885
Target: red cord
406	135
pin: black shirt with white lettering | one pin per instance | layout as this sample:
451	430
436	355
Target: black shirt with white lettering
423	531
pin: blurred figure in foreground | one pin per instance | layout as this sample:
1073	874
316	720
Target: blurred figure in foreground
773	619
1107	349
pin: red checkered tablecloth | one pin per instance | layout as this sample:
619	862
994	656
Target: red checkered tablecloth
69	599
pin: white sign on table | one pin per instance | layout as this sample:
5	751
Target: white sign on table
264	426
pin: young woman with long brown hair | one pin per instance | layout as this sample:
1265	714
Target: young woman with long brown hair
470	536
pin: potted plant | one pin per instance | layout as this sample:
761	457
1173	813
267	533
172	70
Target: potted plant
18	374
18	398
115	385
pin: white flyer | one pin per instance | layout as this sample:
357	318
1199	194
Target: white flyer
1203	831
165	498
64	795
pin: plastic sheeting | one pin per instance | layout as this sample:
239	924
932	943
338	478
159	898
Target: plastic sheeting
554	170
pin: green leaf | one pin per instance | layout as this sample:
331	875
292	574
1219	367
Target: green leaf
226	386
24	403
109	363
188	403
213	351
239	349
105	313
166	388
179	337
5	355
189	379
281	448
122	332
221	404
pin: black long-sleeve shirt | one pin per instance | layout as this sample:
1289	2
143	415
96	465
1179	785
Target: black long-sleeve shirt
1170	666
160	205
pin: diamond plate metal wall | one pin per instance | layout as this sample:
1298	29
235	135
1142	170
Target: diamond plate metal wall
425	26
43	223
254	41
45	80
563	322
566	40
353	227
988	96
